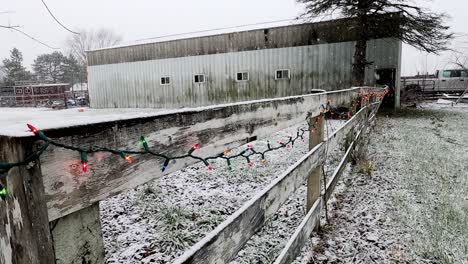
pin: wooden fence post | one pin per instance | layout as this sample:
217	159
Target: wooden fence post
78	237
24	225
313	182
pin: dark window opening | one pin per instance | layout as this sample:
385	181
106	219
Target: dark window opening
282	74
199	78
242	76
452	74
165	80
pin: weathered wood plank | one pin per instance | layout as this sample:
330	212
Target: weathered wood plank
24	227
313	181
78	237
337	173
330	186
304	230
335	138
223	243
301	235
215	128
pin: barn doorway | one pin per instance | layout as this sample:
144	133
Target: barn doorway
387	77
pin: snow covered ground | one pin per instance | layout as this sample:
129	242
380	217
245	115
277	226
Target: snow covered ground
157	222
13	120
414	206
411	209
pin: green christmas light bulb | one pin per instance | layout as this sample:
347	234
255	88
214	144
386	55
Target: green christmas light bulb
3	192
144	143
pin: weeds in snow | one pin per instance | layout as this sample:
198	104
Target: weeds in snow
365	166
176	240
173	218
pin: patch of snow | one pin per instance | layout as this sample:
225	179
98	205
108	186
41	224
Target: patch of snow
13	120
177	210
443	101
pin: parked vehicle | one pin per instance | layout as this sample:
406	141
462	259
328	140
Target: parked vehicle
58	105
71	102
445	81
81	101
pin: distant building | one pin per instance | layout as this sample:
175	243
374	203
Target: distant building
78	90
238	66
32	94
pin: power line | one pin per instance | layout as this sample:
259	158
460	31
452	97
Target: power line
50	12
6	12
15	28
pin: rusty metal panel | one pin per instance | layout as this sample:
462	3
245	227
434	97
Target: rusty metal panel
322	66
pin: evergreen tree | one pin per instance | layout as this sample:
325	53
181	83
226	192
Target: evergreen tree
416	25
56	68
13	68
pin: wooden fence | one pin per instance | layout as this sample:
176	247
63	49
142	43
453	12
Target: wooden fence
52	215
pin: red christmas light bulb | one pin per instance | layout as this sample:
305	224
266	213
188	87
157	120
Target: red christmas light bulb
209	167
196	146
250	164
84	166
128	159
32	128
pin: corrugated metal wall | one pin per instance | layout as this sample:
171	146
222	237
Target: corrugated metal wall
322	66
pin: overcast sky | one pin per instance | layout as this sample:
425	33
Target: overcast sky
139	19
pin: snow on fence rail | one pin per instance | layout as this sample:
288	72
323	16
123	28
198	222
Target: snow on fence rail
223	243
54	191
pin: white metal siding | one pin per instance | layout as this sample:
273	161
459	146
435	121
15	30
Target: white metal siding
323	66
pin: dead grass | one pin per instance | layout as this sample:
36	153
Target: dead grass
430	167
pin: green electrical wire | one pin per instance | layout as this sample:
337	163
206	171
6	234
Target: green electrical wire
125	154
83	152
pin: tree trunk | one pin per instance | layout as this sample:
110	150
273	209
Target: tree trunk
360	63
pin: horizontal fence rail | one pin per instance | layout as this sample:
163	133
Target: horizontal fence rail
305	229
53	201
214	128
223	243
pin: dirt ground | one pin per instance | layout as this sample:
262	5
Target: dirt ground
413	207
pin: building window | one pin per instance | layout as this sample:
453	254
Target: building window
242	76
282	74
165	80
199	78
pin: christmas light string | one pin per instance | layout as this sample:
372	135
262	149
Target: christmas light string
247	154
125	154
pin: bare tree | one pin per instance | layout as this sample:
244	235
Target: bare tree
460	61
89	40
77	45
416	25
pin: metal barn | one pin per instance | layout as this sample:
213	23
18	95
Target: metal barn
237	66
